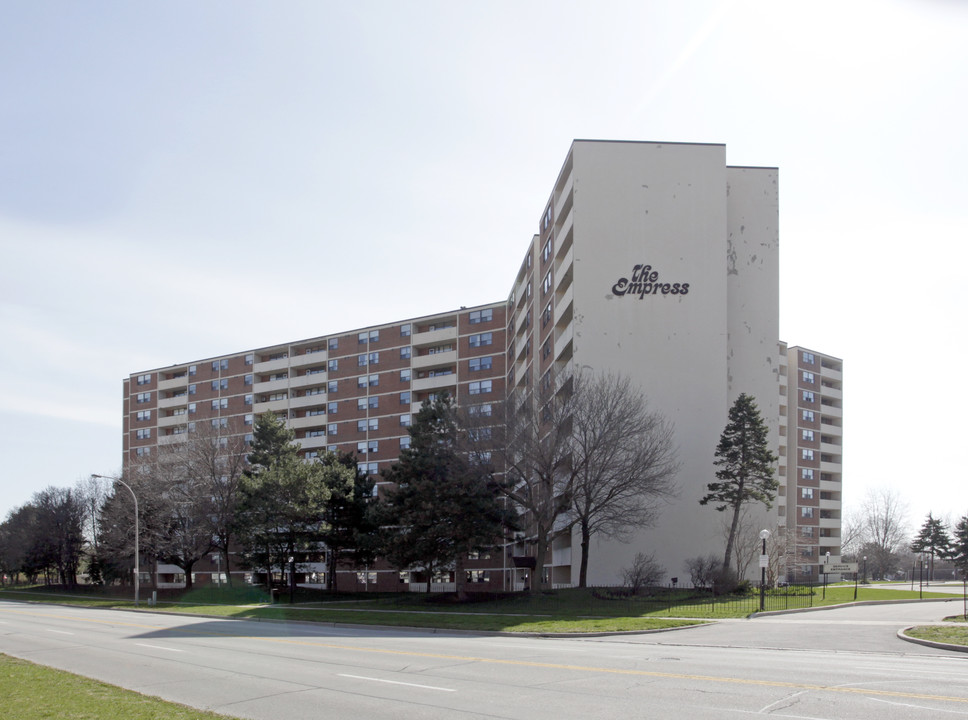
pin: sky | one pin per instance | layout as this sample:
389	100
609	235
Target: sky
352	163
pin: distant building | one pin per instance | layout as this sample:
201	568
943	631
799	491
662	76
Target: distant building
654	260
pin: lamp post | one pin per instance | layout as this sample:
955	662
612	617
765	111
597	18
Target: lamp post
865	569
826	561
764	561
137	569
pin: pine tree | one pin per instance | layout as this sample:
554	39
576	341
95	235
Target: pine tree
445	504
933	539
745	465
959	546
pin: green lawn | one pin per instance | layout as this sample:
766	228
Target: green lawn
952	634
35	692
564	611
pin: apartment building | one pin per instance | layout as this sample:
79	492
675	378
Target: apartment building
810	471
655	260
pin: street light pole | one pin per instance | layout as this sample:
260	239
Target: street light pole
826	561
764	559
137	569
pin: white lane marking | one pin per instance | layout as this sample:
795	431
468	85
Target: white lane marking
395	682
59	632
158	647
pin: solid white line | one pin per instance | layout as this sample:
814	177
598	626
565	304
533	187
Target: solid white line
394	682
158	647
60	632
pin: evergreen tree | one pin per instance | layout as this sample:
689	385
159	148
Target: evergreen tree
933	539
959	546
745	465
272	443
445	504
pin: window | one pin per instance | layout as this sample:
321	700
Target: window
368	469
373	446
547	218
144	397
374	358
546	283
405	352
808	358
807	454
249	359
405	375
361	448
333	343
405	420
374	380
405	443
405	398
223	403
361	425
144	433
374	423
806	493
191	407
333	386
808	415
440	349
373	401
806	512
220	422
546	251
361	360
374	336
808	435
192	389
248	399
314	412
220	364
807	396
361	403
192	369
144	379
480	388
546	349
546	315
248	419
220	384
142	451
806	473
807	376
405	330
362	338
331	428
482	363
333	365
332	407
247	380
144	415
481	339
481	316
315	391
484	410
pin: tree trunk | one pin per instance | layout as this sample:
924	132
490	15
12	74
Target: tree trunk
585	542
541	549
460	581
731	538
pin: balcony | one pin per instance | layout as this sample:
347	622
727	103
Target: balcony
172	439
831	467
449	357
830	505
271	366
173	383
305	359
308	401
171	402
435	337
302	381
173	420
830	522
271	386
307	422
434	383
272	406
313	443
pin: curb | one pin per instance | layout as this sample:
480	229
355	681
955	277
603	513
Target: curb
902	634
854	603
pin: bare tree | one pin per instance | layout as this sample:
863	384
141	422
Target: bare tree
623	458
536	449
884	529
643	572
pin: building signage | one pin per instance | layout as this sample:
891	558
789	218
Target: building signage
840	568
645	281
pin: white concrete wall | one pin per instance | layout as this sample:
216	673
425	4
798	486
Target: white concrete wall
666	206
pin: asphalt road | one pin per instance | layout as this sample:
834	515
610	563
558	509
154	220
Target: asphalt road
838	664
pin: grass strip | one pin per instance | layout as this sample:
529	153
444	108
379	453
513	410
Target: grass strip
35	692
951	634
